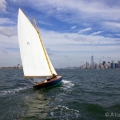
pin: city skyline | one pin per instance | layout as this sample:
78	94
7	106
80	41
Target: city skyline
71	31
102	65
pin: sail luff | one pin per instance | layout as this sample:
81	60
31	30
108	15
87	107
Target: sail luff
46	55
36	27
32	54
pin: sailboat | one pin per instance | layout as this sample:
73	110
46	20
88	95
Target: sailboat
35	60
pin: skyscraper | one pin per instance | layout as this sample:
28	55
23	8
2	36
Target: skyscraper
92	60
112	64
118	64
104	62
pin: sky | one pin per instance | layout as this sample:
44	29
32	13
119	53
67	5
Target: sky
72	30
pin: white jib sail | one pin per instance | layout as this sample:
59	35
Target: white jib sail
33	58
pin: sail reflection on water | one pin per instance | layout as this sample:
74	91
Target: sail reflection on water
36	106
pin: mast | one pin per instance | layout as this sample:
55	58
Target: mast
35	25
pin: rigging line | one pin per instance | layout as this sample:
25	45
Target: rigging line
32	81
55	64
35	25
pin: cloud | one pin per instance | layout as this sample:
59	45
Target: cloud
73	27
8	42
44	23
62	41
84	30
49	51
3	5
4	21
75	11
78	10
114	25
8	31
9	56
118	34
95	33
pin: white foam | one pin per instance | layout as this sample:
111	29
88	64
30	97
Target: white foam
67	83
60	106
65	109
13	91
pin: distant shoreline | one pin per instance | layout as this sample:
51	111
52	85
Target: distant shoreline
66	68
11	68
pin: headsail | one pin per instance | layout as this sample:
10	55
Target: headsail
33	57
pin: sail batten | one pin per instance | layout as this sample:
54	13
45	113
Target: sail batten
32	54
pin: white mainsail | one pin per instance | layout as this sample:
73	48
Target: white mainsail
33	56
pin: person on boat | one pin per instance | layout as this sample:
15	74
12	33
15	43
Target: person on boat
48	79
53	75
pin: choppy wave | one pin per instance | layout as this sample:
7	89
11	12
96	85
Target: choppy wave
65	112
83	94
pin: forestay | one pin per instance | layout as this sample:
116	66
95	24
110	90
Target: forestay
33	57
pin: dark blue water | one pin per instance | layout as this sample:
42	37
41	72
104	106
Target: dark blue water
83	95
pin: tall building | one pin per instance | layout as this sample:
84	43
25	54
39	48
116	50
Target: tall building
104	62
92	60
109	65
118	64
112	64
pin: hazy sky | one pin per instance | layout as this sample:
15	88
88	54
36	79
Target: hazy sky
72	30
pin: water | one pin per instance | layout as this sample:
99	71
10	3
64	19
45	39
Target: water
83	95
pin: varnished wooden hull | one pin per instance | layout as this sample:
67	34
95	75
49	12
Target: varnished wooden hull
51	82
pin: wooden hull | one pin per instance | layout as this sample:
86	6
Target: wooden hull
51	82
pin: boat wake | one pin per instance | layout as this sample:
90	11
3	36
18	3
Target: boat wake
12	91
65	113
67	83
